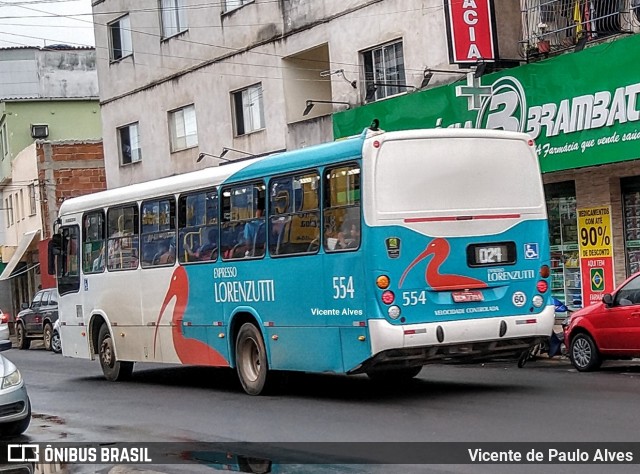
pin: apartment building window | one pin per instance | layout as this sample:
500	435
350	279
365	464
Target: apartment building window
183	128
384	67
129	141
7	211
173	16
120	37
233	4
10	209
248	109
21	212
4	143
32	199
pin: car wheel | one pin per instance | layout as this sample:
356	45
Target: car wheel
394	375
16	428
21	337
56	344
251	359
584	353
113	370
46	332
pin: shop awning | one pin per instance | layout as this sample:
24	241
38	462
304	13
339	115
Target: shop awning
24	244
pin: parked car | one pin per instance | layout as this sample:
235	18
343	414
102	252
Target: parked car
609	329
36	319
15	407
56	343
4	326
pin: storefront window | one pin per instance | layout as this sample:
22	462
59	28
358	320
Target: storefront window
631	204
563	232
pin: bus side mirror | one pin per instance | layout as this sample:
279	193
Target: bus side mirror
54	249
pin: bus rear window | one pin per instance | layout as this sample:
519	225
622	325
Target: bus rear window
460	174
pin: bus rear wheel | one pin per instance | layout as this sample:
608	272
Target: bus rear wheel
394	375
113	370
251	359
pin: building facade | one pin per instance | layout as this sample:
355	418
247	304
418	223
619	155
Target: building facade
49	124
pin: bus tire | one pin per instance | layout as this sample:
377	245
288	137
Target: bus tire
113	370
21	337
394	375
251	359
46	336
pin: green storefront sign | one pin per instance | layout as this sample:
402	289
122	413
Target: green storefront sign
583	109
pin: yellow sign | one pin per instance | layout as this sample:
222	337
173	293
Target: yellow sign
594	232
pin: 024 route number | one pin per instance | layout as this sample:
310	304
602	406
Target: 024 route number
413	298
343	287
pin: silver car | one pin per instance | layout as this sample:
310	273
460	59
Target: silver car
15	407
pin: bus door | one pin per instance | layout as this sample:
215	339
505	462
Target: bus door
65	250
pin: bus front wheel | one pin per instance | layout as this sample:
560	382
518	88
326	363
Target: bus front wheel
251	359
113	370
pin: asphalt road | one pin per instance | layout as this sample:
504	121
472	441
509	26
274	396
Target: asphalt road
546	401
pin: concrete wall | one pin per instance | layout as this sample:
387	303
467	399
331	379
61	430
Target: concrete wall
67	119
24	173
33	72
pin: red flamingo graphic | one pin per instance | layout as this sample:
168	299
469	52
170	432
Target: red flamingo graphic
189	350
440	248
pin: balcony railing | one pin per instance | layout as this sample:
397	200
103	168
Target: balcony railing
557	25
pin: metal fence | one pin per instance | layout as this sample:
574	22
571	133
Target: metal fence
556	25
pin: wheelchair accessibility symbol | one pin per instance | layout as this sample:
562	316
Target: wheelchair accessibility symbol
531	251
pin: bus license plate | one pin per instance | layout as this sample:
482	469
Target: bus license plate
471	296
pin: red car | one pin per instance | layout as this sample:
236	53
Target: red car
606	330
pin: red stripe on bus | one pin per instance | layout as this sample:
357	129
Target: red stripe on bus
461	218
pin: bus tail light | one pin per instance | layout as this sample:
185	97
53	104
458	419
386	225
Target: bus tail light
394	312
388	297
382	282
542	286
544	271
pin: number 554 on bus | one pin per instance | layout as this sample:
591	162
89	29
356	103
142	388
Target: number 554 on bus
372	255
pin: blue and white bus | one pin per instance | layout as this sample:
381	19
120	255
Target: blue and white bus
375	254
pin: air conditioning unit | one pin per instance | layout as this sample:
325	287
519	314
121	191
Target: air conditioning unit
39	130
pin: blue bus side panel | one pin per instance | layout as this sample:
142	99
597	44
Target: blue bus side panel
306	349
354	350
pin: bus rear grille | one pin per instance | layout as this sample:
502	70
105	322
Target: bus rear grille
453	353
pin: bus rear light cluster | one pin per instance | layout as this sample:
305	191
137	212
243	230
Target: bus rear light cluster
394	312
545	271
537	301
388	297
542	286
382	282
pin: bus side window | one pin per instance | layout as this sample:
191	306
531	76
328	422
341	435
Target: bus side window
158	238
93	243
294	214
198	227
122	244
342	222
242	219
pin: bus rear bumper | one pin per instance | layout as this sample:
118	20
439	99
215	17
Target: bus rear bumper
472	339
